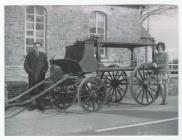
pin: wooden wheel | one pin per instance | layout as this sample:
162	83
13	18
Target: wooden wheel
64	95
116	83
144	84
91	94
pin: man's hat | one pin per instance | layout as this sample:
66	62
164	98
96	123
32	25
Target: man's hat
37	43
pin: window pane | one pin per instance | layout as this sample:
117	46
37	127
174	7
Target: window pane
30	33
92	30
92	35
101	37
100	23
40	26
30	26
100	30
29	41
40	41
100	17
93	16
40	19
40	11
30	18
40	34
30	10
92	23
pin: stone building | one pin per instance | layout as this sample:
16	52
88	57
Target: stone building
59	26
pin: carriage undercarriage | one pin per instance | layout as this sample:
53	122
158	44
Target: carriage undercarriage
107	87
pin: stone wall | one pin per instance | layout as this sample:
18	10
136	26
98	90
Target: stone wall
14	42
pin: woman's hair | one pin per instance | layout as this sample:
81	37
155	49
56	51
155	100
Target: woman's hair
162	44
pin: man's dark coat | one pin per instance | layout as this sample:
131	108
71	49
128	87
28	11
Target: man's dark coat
36	66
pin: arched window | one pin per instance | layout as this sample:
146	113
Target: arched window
97	25
35	27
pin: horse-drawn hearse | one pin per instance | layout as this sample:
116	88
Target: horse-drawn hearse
81	76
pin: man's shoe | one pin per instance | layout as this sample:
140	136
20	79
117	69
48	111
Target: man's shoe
163	103
40	105
31	107
41	108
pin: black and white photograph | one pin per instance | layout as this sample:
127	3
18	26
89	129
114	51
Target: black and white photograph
91	69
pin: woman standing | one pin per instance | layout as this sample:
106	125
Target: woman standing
160	62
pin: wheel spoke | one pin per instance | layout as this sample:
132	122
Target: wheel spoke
83	96
146	95
115	93
106	77
138	79
136	90
142	94
112	93
117	72
93	104
122	92
85	91
91	86
150	94
86	100
139	93
121	89
147	74
144	73
140	75
153	92
110	88
110	75
120	74
121	81
123	76
98	88
63	101
119	93
86	87
113	74
88	105
152	89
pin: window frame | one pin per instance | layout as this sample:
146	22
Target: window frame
34	36
97	14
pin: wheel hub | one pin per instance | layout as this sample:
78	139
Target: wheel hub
115	83
94	94
145	84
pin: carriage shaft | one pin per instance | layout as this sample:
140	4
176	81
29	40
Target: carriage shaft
65	77
26	92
